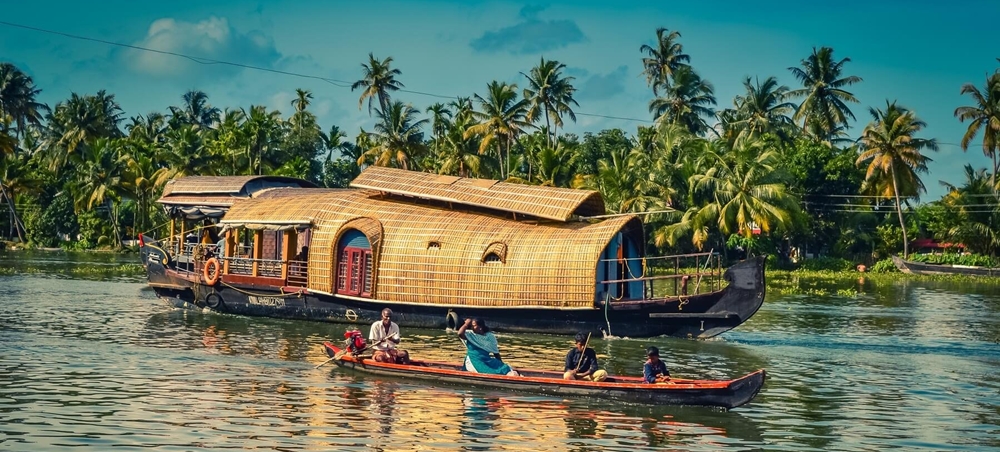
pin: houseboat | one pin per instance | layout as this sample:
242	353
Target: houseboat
437	250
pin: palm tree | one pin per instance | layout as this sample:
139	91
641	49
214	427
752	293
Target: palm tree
763	109
970	224
302	119
76	123
261	130
687	101
195	111
377	80
555	164
661	62
985	114
17	99
825	100
894	156
743	191
621	180
397	138
17	177
99	182
187	155
551	94
501	120
440	122
458	153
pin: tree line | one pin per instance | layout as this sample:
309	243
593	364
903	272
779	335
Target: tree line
774	171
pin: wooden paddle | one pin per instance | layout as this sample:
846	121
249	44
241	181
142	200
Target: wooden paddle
343	352
580	360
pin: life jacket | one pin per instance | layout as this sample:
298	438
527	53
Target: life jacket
355	341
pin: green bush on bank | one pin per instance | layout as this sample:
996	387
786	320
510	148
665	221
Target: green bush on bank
977	260
834	264
884	266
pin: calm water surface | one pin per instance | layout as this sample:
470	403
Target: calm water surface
96	361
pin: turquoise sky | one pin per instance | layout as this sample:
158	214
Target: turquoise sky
916	52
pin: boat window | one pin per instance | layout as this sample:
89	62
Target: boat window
496	252
432	245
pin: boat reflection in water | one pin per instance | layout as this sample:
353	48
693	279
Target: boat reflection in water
401	414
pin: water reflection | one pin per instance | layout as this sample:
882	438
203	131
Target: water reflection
904	365
479	418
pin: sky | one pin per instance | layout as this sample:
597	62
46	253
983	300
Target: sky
918	53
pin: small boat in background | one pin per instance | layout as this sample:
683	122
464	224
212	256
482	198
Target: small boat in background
923	268
720	393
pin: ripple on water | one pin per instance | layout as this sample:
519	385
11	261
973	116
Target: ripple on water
103	364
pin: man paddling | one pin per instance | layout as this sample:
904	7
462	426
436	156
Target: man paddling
385	335
581	362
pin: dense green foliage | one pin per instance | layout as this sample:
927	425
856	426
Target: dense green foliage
775	173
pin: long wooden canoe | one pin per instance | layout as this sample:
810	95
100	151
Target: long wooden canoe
720	393
924	268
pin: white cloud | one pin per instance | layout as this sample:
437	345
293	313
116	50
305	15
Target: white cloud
212	38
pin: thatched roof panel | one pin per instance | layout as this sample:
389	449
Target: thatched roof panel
239	186
543	202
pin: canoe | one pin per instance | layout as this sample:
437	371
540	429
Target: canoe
718	393
923	268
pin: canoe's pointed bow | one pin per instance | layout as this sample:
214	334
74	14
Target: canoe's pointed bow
746	388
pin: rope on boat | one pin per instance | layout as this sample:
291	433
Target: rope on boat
607	302
256	294
707	262
155	228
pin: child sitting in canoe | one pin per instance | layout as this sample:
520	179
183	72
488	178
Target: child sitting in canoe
655	371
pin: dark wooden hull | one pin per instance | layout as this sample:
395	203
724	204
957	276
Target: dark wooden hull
923	268
719	393
697	316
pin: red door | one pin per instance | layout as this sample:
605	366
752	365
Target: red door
354	271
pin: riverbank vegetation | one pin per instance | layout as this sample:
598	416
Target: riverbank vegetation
776	171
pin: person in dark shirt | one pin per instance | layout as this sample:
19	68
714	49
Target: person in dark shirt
581	362
655	371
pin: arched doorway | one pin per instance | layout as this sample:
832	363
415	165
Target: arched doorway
354	264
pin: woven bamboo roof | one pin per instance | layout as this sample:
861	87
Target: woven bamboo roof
433	255
196	197
281	206
543	202
211	201
227	185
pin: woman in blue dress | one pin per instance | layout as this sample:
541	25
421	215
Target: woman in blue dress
482	352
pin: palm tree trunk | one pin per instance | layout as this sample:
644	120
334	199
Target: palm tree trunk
548	131
18	224
113	214
899	211
993	177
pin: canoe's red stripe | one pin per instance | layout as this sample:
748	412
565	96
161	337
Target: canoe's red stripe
629	382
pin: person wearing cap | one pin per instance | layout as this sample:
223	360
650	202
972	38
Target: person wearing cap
581	362
384	336
655	371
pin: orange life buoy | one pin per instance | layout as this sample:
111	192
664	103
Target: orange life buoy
212	270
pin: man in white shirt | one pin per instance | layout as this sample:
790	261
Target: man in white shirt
384	336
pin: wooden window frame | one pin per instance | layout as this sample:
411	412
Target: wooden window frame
353	271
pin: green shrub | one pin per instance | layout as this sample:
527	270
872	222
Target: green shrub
827	264
977	260
884	266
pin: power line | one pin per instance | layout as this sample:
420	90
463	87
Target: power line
335	82
211	61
